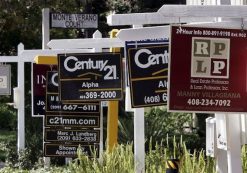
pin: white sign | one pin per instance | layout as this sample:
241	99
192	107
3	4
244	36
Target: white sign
63	20
5	79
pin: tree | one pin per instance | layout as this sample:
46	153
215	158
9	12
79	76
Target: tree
138	6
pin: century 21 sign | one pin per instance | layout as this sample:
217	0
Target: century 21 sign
93	76
148	70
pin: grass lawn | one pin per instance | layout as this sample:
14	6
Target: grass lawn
5	137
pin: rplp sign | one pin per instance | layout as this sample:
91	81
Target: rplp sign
207	70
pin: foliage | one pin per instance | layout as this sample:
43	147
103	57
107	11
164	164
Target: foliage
25	159
125	125
160	125
121	160
244	158
6	138
8	118
134	6
123	6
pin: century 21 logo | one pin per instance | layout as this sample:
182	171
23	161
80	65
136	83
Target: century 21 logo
72	64
210	57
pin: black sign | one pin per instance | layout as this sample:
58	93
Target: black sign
90	76
83	121
39	88
148	71
69	150
53	103
63	135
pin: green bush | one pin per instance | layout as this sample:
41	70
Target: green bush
121	160
8	118
7	138
161	125
244	158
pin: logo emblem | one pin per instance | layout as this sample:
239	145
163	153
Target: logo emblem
210	57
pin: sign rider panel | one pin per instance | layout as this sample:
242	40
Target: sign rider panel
69	150
64	135
84	121
54	105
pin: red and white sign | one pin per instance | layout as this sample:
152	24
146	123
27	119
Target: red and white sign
208	70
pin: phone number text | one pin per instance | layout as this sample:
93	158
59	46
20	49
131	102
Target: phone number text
208	102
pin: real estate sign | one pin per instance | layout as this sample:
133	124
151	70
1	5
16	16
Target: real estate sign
207	70
39	88
92	76
148	71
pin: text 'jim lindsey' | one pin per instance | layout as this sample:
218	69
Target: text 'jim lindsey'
72	64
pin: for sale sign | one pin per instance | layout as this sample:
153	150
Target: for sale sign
95	76
208	70
148	71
